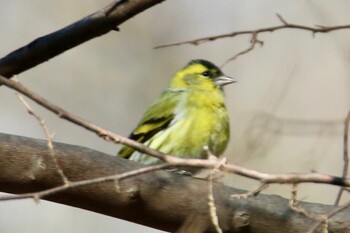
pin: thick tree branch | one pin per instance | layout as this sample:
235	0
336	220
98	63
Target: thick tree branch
159	199
94	25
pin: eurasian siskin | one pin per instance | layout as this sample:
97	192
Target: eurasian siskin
187	116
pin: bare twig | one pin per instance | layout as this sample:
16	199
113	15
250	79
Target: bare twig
284	22
211	202
219	162
48	136
320	219
70	185
212	208
293	203
254	35
251	193
345	155
285	25
328	216
253	42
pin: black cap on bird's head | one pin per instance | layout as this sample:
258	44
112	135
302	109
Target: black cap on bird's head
205	63
213	72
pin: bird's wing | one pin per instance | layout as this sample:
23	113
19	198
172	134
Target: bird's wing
156	118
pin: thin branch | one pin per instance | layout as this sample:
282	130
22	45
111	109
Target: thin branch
293	203
70	185
103	133
290	178
211	201
285	25
320	219
328	216
251	193
212	208
48	137
254	35
284	22
345	155
253	42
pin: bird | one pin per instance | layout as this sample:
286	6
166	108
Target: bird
187	117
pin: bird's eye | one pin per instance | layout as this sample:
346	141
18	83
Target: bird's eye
205	73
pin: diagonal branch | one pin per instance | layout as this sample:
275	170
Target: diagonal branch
48	136
51	45
345	154
289	178
253	42
329	215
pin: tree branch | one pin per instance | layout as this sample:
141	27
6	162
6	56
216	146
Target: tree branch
345	154
290	178
159	199
47	134
254	35
285	25
53	44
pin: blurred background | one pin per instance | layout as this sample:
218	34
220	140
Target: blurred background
286	111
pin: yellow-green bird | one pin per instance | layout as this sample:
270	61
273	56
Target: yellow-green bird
187	116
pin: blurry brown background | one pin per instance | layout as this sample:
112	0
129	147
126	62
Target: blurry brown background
286	110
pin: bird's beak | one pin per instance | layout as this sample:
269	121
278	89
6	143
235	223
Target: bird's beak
224	80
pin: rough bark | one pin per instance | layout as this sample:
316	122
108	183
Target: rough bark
159	199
